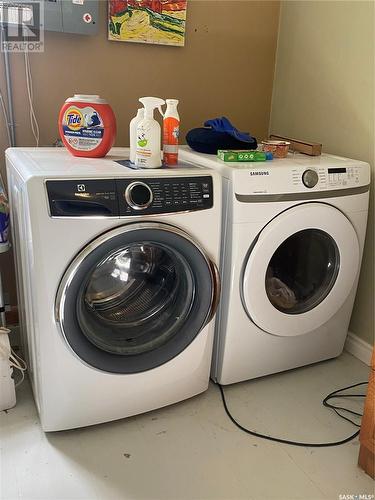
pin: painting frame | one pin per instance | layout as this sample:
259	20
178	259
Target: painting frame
158	22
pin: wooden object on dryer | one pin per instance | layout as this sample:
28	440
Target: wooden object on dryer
367	435
305	147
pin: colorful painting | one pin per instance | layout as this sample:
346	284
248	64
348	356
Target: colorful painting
147	21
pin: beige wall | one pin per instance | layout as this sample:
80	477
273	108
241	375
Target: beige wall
226	68
324	92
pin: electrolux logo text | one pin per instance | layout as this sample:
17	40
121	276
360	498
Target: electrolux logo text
22	26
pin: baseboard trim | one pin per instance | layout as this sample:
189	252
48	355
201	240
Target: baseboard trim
359	348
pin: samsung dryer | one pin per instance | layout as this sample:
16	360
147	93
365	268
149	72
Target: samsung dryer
293	236
117	282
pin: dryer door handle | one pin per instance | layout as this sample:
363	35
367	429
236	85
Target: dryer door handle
216	290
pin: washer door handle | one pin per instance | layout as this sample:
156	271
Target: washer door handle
216	290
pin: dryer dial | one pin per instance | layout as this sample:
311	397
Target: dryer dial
310	178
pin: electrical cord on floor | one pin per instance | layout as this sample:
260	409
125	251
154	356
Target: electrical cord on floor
15	361
334	394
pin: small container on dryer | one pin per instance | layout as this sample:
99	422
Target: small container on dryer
279	149
87	125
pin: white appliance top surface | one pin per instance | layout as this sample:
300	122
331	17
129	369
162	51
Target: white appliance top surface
58	162
286	175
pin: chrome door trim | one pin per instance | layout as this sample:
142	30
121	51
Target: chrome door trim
71	270
217	291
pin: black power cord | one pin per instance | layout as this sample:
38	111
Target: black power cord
334	394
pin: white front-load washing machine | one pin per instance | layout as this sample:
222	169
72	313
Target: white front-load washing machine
117	282
293	235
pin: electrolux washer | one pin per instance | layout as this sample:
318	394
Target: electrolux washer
292	242
117	282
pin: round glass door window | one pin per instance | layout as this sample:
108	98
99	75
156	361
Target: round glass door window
135	297
302	271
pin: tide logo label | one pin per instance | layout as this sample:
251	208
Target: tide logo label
73	118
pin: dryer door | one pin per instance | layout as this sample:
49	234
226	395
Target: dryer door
136	297
300	269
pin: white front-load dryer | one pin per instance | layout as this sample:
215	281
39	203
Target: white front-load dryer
117	282
293	236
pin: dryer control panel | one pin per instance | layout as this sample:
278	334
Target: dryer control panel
303	176
327	178
341	176
128	196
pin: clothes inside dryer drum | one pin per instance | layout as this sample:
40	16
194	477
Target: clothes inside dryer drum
302	271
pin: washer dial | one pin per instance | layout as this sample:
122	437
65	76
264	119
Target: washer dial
139	195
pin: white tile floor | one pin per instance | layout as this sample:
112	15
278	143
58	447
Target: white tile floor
191	450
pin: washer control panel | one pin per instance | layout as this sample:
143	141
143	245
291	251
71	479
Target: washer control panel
163	195
128	196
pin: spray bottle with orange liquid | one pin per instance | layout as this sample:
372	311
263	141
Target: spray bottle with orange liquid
171	131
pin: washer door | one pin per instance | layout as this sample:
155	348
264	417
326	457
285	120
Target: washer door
136	297
300	269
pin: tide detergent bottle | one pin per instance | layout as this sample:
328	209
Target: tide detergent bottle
148	154
87	126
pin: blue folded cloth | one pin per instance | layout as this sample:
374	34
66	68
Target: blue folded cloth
219	133
224	125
